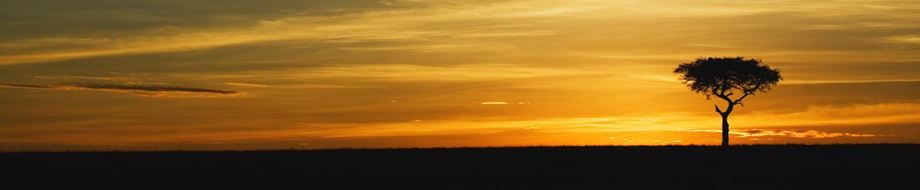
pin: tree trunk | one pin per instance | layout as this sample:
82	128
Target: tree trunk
725	130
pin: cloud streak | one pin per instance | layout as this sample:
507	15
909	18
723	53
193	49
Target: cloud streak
911	39
437	21
244	84
200	142
120	79
358	27
137	90
744	133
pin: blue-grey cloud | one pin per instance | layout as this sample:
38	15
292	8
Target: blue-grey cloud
134	89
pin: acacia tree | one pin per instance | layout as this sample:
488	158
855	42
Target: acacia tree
722	77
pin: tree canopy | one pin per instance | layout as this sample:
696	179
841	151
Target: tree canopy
718	76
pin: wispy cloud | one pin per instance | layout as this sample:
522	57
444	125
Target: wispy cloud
120	79
439	21
244	84
405	72
846	81
836	115
416	48
137	90
744	133
505	34
912	39
413	24
503	103
200	142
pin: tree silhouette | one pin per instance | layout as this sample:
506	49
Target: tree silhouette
721	77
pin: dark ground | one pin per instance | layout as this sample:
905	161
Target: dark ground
639	167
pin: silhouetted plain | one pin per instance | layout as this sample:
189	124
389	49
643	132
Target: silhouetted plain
721	77
628	167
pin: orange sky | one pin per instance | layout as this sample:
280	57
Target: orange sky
191	75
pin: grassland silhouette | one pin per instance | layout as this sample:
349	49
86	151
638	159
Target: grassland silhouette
591	167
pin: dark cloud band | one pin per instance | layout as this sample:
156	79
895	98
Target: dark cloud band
139	90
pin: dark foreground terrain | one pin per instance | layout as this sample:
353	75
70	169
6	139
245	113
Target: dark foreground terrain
654	167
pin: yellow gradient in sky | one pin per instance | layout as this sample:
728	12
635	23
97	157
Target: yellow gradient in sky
142	75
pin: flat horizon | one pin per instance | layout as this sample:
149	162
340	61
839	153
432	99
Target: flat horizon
434	148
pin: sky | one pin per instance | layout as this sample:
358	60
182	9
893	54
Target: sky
318	74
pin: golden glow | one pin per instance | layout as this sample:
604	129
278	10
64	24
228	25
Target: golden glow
424	73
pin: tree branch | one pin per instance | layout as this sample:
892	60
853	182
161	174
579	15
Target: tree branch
742	98
726	98
717	108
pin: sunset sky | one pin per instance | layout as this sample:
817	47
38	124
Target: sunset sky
312	74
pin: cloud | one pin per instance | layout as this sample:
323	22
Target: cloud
505	34
744	133
911	39
200	142
120	79
427	48
405	72
836	115
137	90
244	84
410	24
846	81
436	21
503	103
